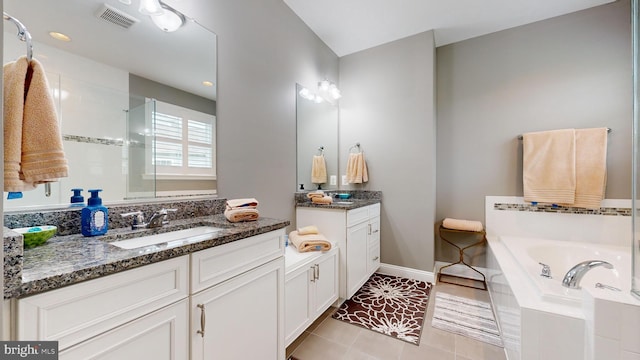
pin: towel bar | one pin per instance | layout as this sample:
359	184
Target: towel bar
520	137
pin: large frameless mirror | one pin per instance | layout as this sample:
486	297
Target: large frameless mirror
136	104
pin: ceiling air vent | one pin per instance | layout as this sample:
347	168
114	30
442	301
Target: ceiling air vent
115	16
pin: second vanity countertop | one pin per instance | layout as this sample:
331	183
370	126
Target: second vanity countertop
65	260
340	204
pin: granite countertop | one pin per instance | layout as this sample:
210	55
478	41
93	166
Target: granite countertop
65	260
340	204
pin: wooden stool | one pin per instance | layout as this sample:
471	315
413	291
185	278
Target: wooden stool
443	230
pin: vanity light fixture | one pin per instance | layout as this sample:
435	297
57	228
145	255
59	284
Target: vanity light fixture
306	94
329	90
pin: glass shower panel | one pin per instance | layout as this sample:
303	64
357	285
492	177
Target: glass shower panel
635	251
141	182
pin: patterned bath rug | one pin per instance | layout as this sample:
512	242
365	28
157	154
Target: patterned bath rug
467	317
389	305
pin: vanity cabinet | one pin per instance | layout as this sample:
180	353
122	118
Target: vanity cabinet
237	305
311	287
225	302
127	312
357	233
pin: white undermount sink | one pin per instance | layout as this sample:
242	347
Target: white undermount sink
195	234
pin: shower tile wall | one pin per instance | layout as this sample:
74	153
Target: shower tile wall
92	112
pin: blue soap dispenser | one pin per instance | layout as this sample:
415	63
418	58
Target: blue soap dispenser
77	199
94	216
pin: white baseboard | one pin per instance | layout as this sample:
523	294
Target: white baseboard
405	272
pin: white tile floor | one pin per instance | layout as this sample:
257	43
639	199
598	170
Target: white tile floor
330	339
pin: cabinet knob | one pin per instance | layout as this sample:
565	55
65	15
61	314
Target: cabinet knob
376	258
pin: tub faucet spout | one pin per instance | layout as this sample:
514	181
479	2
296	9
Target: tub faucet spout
575	274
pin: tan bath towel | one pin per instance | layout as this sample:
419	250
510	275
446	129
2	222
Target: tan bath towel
357	172
326	200
248	203
312	242
33	152
308	230
318	170
315	194
591	167
239	215
548	166
466	225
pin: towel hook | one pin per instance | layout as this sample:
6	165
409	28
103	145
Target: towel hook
321	150
356	146
22	34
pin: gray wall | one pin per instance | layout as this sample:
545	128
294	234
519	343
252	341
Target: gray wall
264	49
573	71
389	108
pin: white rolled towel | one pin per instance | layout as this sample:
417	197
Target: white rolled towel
465	225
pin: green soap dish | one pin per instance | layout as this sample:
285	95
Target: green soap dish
36	235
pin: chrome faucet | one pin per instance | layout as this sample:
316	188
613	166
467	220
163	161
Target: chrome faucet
575	274
158	219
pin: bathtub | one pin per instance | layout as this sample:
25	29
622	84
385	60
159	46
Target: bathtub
562	256
541	319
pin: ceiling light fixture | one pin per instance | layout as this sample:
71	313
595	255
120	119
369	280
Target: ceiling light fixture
163	16
150	7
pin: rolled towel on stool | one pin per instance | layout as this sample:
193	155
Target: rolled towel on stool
308	230
465	225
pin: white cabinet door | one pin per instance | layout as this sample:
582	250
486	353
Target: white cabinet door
76	313
357	256
373	243
326	282
163	334
298	314
241	318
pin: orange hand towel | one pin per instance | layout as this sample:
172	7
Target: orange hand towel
248	203
318	170
326	200
312	242
357	169
315	194
548	166
239	215
32	142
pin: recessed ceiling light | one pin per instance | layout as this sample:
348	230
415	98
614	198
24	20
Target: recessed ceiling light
59	36
207	83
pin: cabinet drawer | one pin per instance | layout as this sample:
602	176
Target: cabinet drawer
356	216
212	266
78	312
161	335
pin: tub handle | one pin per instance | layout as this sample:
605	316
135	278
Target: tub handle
546	271
608	287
